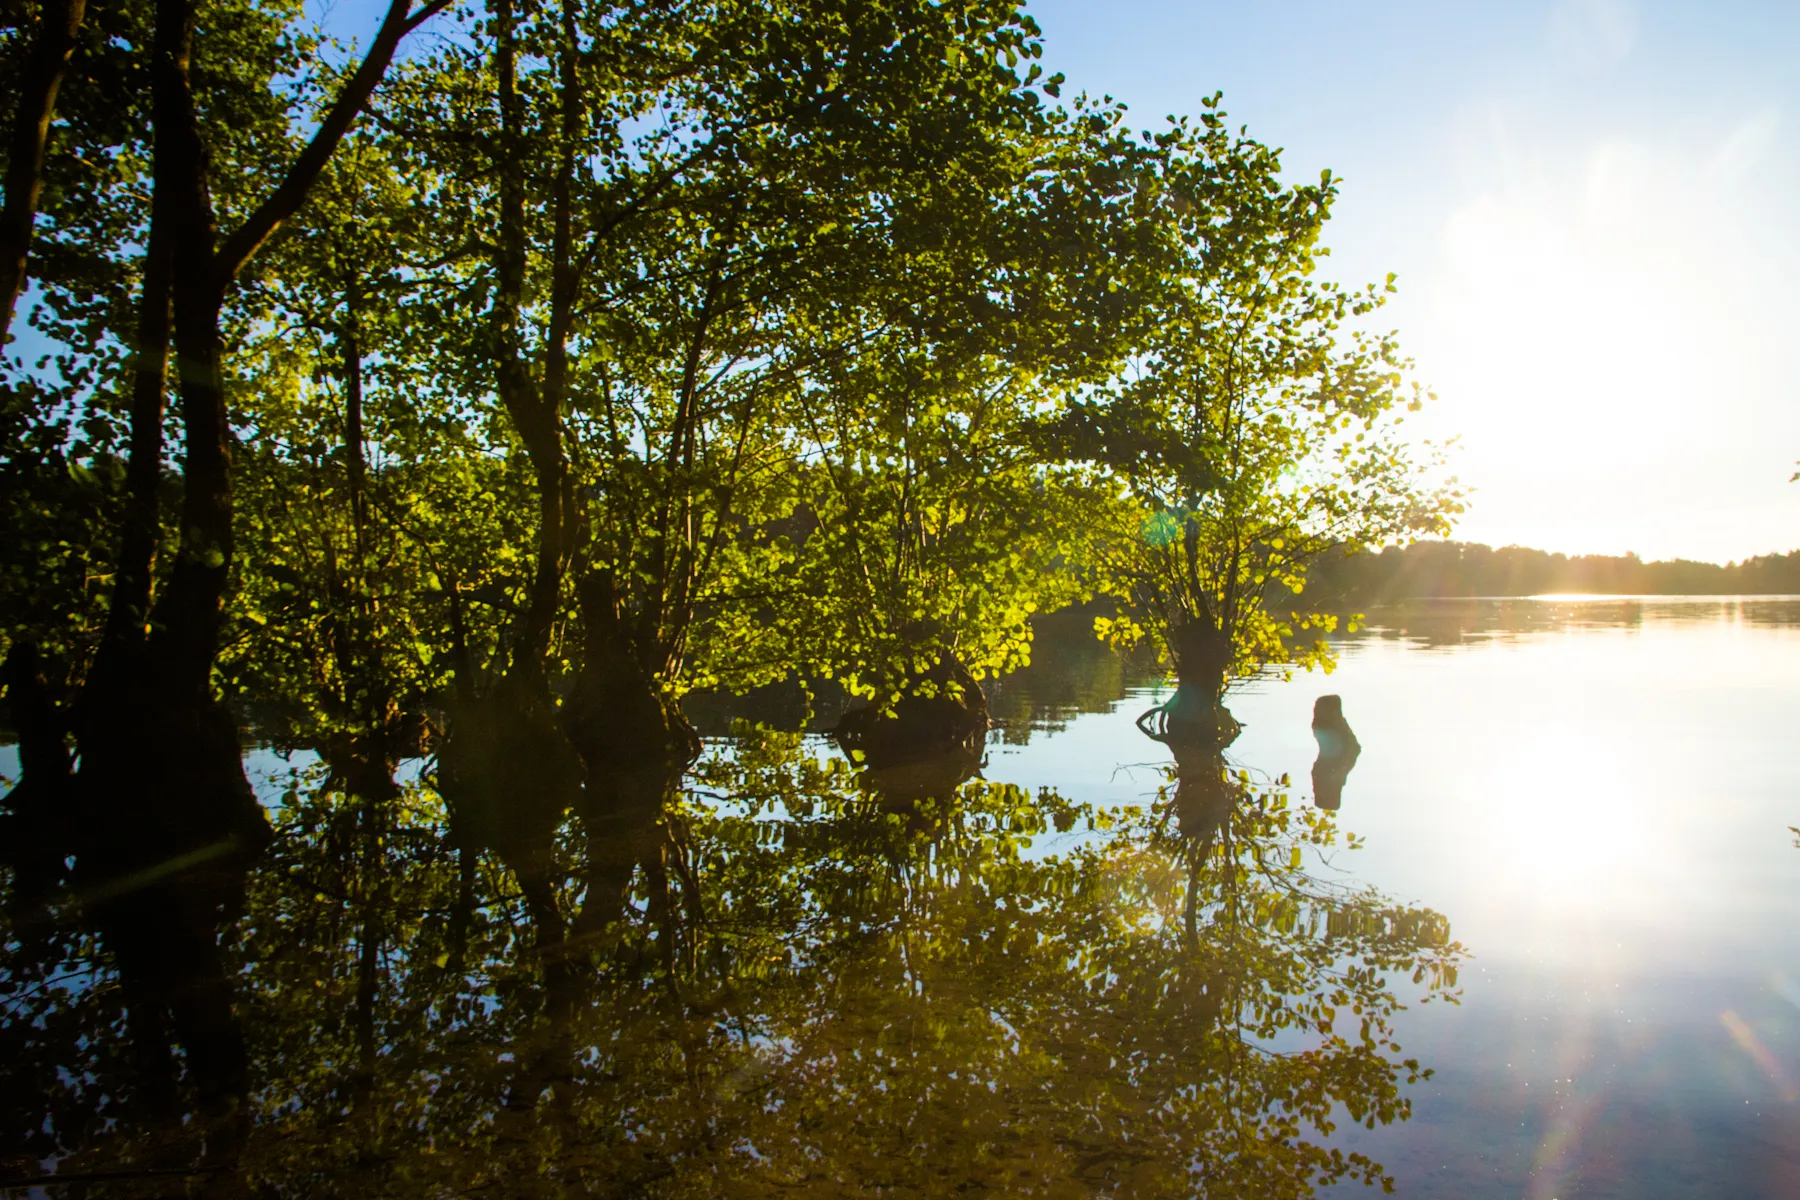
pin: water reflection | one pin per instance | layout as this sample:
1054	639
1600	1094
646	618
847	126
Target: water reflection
1071	673
770	973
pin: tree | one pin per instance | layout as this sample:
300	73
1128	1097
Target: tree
1258	430
644	313
632	349
159	820
933	527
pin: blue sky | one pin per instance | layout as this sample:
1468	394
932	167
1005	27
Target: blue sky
1591	206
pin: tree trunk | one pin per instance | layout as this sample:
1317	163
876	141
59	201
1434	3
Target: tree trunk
37	834
168	823
1195	714
47	63
135	570
1203	655
355	464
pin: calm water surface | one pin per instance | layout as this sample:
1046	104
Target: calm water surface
1597	794
787	985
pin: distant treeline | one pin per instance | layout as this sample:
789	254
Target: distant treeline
1471	569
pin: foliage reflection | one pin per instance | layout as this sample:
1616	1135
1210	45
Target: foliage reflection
770	975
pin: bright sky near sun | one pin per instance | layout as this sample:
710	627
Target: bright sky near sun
1593	207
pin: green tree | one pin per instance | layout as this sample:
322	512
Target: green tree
643	315
933	528
1258	430
159	822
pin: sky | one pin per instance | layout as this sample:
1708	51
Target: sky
1592	209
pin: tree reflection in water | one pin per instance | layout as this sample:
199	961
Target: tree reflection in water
768	978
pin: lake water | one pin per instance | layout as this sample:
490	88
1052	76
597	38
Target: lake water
807	990
1597	794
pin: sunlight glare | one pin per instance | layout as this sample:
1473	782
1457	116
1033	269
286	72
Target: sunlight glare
1588	312
1564	820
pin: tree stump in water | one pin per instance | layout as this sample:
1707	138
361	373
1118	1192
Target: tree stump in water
1338	750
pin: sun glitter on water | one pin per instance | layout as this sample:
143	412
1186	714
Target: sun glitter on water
1564	816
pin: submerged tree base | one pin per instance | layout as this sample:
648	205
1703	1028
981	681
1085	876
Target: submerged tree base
1192	716
946	719
918	729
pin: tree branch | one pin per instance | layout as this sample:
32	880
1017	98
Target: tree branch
51	51
288	196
